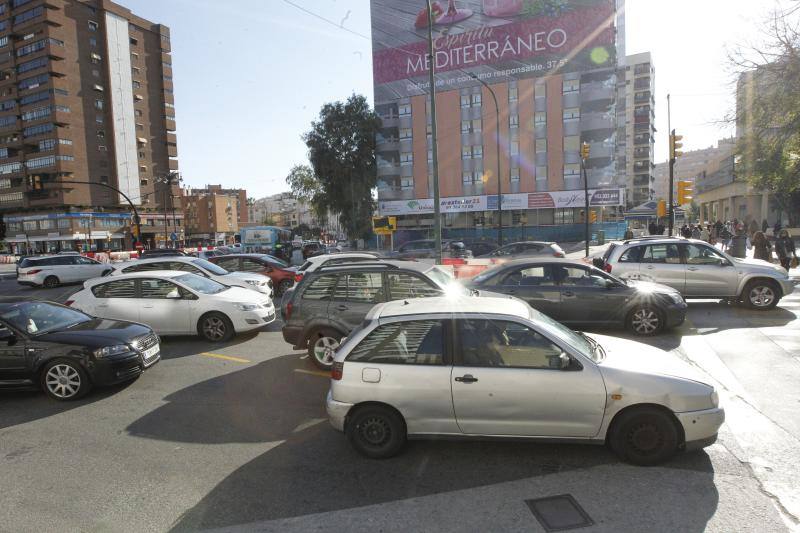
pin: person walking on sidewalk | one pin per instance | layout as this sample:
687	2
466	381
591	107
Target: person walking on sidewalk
739	243
762	247
784	245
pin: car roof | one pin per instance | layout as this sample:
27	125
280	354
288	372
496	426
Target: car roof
341	255
548	260
528	242
378	265
145	274
485	305
179	258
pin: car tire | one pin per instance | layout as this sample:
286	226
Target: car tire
760	294
284	286
51	282
645	320
376	432
64	380
215	327
644	436
322	344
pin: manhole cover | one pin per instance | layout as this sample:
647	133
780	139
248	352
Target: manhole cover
559	513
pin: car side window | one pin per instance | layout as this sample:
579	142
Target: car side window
579	277
360	287
631	255
228	263
156	289
697	254
124	288
403	286
185	267
418	342
251	265
80	260
661	253
321	288
535	275
532	247
500	343
62	261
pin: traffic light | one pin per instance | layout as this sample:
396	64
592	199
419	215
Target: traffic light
662	208
684	192
675	145
585	150
592	216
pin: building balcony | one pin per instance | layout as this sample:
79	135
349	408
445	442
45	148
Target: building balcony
395	193
597	121
388	145
172	138
170	125
388	170
173	164
597	91
172	150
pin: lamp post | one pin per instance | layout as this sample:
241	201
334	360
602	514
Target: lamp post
168	180
499	181
437	220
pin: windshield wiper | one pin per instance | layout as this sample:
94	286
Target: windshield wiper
596	346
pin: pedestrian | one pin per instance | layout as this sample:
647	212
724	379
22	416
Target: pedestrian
651	228
753	228
628	233
725	238
718	225
784	245
764	226
762	248
776	229
705	234
660	229
739	243
695	232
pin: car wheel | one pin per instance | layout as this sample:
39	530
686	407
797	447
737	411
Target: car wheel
376	432
645	320
760	294
644	436
284	286
215	327
322	345
50	282
64	380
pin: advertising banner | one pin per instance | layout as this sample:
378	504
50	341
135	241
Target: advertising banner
519	201
496	40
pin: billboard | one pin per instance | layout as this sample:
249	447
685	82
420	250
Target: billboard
496	40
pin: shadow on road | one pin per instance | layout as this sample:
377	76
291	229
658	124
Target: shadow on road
313	468
174	347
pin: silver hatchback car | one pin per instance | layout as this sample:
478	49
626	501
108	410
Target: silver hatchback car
494	367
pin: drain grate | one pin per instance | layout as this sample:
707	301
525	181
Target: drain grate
559	513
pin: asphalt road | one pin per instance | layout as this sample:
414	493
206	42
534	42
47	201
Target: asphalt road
234	436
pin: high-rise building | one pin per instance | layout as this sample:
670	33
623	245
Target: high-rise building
86	103
636	127
214	214
555	88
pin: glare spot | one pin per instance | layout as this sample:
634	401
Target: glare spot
599	55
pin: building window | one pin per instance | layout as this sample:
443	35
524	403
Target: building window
541	146
98	119
513	121
540	118
134	42
540	90
466	177
572	169
514	148
96	58
572	143
92	25
136	84
514	174
512	94
541	173
464	101
138	112
102	148
136	70
101	134
141	155
98	88
430	156
476	100
571	86
465	126
466	152
92	41
405	133
404	110
406	158
104	180
95	73
572	113
98	104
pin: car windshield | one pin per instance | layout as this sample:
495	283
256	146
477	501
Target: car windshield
210	267
37	318
201	284
585	345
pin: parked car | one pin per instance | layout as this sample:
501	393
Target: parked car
68	252
53	270
331	259
176	303
528	249
575	293
333	300
66	352
161	252
279	272
698	270
311	249
495	368
200	267
426	249
480	248
204	254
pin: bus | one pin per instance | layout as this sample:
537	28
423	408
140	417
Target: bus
262	239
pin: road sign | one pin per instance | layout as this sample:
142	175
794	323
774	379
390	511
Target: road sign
173	236
384	225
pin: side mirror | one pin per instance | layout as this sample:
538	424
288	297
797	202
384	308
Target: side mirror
8	336
560	361
610	284
173	295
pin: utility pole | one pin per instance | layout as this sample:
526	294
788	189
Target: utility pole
585	150
499	181
671	169
437	215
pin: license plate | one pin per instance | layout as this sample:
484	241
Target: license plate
151	352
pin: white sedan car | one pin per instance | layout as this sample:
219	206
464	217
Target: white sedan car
201	267
54	270
176	303
495	368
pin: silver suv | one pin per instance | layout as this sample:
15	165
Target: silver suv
698	270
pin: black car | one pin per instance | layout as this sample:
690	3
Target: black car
66	352
575	293
426	249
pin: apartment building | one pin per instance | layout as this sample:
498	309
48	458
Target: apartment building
691	164
214	214
636	127
239	195
86	110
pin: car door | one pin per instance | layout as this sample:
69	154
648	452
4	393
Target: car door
535	284
85	268
403	285
708	272
355	294
13	359
507	380
662	263
231	264
65	268
587	297
159	310
408	361
312	303
116	299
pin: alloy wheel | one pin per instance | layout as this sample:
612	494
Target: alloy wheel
645	321
63	381
762	296
325	349
214	328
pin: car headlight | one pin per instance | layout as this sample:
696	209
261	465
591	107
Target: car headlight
108	351
251	282
676	297
246	307
714	398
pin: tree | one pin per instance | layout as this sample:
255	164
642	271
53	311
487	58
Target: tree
269	220
341	149
768	111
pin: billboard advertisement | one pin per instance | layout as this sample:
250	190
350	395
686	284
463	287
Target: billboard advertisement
496	40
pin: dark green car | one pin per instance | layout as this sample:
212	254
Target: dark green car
578	294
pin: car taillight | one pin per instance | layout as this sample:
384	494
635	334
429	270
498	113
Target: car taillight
288	310
298	278
69	303
558	254
34	271
337	370
607	268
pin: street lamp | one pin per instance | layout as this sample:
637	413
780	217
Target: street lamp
437	220
168	179
499	182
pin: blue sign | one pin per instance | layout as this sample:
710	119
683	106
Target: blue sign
173	236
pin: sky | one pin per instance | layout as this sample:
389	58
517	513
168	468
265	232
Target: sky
251	75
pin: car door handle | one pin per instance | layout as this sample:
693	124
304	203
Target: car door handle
692	268
568	294
466	378
650	267
342	307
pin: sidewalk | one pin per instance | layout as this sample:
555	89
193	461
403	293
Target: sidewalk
8	271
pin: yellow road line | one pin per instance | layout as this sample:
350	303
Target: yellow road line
319	373
226	357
